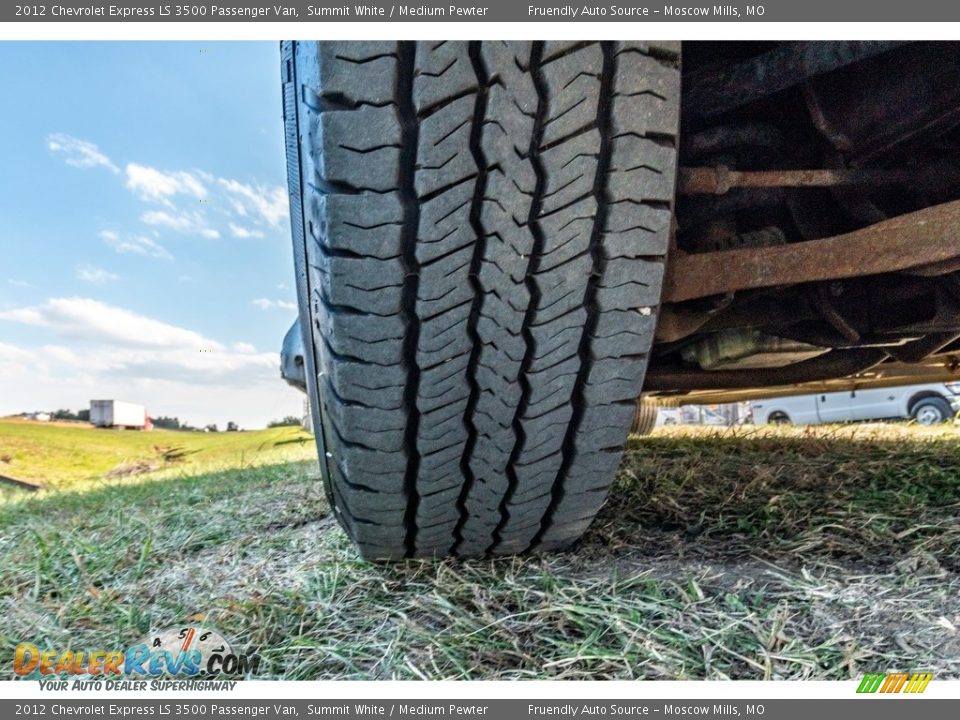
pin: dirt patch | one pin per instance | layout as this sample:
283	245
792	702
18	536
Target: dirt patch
173	454
19	484
129	469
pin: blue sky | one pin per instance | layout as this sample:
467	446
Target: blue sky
144	234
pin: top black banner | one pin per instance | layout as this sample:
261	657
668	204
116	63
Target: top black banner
489	11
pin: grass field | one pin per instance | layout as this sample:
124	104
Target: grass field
784	553
63	456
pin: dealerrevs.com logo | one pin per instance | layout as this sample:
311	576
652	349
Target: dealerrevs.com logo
188	651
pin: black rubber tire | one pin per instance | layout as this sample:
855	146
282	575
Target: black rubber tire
941	405
779	418
480	232
645	419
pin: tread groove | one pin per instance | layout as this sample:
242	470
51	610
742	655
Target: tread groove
476	222
410	131
539	123
601	193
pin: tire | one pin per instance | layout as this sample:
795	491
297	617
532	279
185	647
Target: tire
931	411
779	418
480	232
645	419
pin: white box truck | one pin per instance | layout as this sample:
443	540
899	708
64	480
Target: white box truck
115	413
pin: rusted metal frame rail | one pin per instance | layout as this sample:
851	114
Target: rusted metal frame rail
719	180
910	241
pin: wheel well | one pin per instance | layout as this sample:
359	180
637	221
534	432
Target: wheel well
923	395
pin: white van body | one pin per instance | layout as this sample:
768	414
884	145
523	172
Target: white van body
669	416
927	404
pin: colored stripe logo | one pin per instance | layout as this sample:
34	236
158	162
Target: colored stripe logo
894	683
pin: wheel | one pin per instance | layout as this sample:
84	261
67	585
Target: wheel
778	418
480	232
645	418
931	411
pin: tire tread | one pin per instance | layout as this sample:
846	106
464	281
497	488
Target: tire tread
485	228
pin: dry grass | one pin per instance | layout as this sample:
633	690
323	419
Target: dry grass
786	553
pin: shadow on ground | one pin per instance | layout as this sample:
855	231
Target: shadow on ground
787	554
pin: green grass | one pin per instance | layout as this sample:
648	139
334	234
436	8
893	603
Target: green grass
784	553
75	455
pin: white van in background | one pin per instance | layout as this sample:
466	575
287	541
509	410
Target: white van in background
927	404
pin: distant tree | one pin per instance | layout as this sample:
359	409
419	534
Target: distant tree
70	415
63	414
212	427
232	426
168	423
288	420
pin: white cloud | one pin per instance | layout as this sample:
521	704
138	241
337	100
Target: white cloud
115	352
18	283
259	206
239	231
79	153
267	304
16	365
95	275
96	322
159	186
188	223
180	222
269	203
239	385
135	245
13	354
